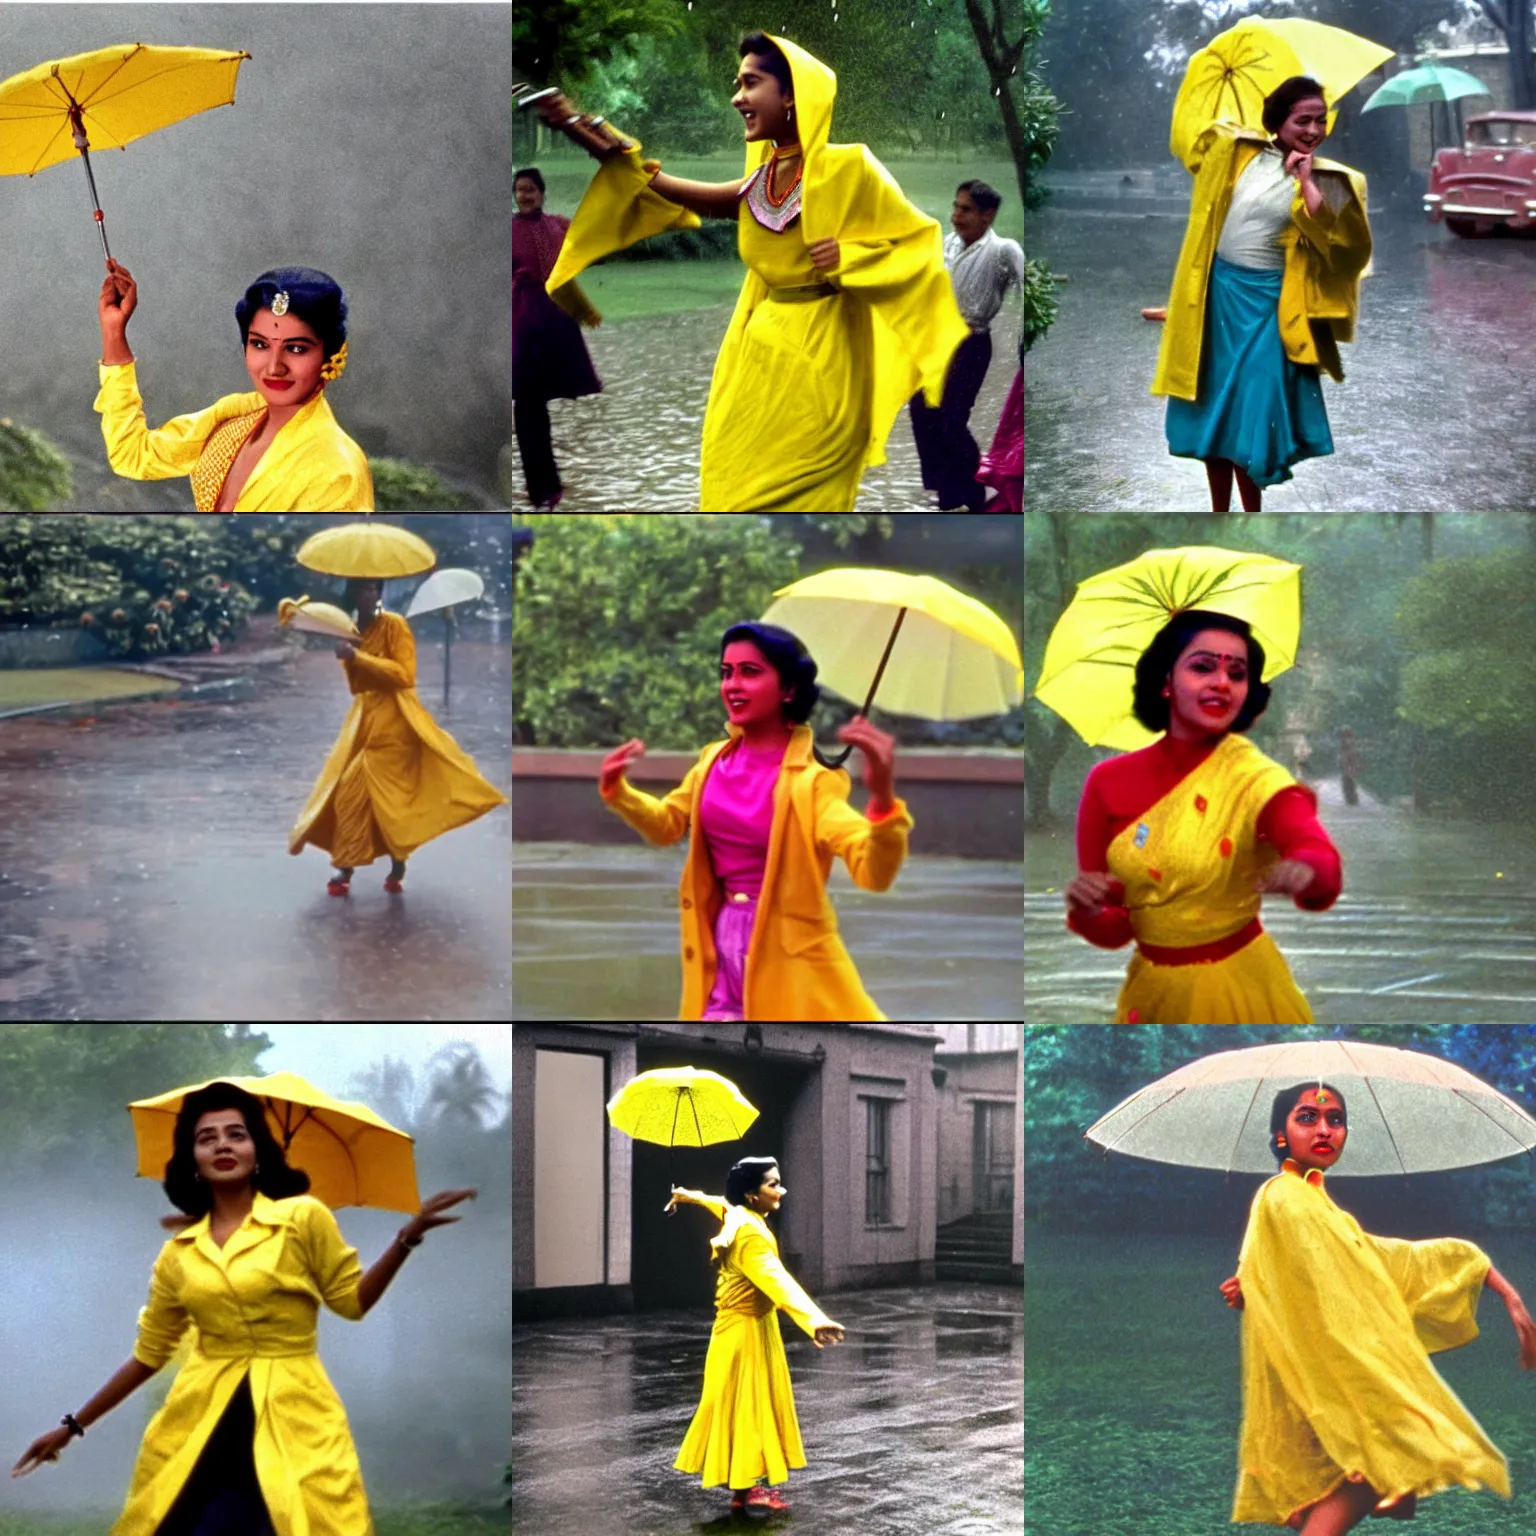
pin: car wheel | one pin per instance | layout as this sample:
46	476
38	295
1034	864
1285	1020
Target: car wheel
1468	229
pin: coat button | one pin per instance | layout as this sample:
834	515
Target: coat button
687	952
687	904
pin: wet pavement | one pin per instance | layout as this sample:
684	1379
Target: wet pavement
596	936
1437	924
913	1427
145	874
1434	413
635	446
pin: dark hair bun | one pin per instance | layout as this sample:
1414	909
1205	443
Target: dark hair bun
313	296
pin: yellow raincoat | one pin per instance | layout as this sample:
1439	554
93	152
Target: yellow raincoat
745	1426
1338	1327
310	466
254	1305
1325	258
797	967
804	394
395	779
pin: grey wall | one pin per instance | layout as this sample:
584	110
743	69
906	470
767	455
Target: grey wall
367	140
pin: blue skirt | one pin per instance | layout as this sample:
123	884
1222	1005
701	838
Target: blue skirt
1253	405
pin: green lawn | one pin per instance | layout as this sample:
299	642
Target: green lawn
623	290
1132	1402
24	686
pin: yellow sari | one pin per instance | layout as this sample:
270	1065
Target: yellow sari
1190	867
1338	1327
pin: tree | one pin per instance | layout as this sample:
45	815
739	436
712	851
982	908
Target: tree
461	1091
1516	19
558	41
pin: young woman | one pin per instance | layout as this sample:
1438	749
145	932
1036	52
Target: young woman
1177	844
395	779
252	1437
745	1429
278	449
1343	1415
769	815
847	309
1267	285
549	358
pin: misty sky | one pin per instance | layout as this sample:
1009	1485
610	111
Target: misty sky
329	1054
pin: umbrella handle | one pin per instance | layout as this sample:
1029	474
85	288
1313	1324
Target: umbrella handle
869	698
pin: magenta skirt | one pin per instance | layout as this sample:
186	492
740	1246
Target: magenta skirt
733	932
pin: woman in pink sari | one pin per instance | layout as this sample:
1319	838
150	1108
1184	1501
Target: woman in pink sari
549	358
1002	465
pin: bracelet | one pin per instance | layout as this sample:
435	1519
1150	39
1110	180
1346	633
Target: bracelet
72	1425
407	1242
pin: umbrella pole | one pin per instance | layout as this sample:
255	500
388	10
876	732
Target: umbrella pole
869	698
82	143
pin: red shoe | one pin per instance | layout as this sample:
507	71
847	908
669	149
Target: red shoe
339	888
394	887
766	1498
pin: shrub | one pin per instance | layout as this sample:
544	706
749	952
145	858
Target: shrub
34	475
401	486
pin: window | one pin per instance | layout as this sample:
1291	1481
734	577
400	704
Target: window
877	1163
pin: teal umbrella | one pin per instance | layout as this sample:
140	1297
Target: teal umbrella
1425	82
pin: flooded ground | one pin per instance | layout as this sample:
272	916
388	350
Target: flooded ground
1434	413
635	447
1437	924
913	1427
596	934
145	874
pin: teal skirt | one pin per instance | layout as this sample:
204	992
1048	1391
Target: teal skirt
1253	405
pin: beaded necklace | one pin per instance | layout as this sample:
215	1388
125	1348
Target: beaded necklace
774	213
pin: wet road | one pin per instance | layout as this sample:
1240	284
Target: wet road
145	874
1434	413
596	937
913	1427
635	446
1437	924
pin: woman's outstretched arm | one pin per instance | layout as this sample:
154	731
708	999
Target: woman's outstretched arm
708	199
127	1378
387	1265
1525	1329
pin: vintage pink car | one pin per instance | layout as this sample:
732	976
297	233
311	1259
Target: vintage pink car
1490	180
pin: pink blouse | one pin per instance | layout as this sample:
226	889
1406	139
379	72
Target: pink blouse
736	815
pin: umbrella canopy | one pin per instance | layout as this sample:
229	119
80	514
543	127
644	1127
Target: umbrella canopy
316	618
1408	1112
681	1107
352	1156
1229	78
444	589
1089	671
372	549
1426	82
932	651
106	100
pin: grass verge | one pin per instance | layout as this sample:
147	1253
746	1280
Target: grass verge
23	687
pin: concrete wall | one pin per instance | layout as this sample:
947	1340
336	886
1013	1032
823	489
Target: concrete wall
1018	1163
971	1079
965	803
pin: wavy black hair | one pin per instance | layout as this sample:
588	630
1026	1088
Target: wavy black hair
1285	1101
787	655
274	1178
314	296
1156	663
746	1178
773	59
1278	104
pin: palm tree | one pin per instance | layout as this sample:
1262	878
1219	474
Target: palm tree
389	1089
461	1089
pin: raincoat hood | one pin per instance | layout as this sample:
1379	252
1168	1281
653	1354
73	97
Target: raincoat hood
815	92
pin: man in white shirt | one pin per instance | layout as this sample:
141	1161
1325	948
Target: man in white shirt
982	266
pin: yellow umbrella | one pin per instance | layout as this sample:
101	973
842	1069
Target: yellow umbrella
949	656
1229	78
315	618
375	549
1089	671
352	1156
681	1107
106	100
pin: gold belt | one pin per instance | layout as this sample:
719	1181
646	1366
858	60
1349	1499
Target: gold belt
801	292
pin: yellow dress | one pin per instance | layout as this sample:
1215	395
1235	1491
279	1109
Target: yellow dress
1338	1327
395	779
254	1305
1190	866
310	466
805	391
745	1426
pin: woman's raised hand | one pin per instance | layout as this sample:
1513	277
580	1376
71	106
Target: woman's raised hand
1525	1331
562	114
44	1448
829	1335
1232	1289
615	763
1290	877
1090	892
118	299
879	749
679	1197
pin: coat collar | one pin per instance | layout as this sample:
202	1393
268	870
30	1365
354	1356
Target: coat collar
1313	1176
264	1214
797	753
